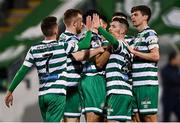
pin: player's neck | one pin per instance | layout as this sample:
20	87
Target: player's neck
142	27
121	37
71	30
51	38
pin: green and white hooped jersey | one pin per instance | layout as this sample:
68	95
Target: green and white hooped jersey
73	67
89	67
129	40
145	72
50	58
118	71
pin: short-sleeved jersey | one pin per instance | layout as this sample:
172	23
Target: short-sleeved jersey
145	71
50	58
89	68
73	67
118	71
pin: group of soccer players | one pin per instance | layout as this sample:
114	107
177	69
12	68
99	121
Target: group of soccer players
105	75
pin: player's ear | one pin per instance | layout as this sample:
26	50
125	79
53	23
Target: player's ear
146	17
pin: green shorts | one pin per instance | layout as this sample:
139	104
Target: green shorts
52	107
145	99
119	107
73	105
93	94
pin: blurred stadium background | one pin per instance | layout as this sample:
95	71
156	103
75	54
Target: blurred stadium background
20	28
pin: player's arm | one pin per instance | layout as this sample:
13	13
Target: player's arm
18	78
85	43
152	56
87	54
106	35
102	59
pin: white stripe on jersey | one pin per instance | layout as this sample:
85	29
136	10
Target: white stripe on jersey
144	74
143	65
52	90
115	82
153	46
55	52
52	61
142	47
58	82
53	69
145	82
114	74
70	84
72	75
115	57
27	64
113	65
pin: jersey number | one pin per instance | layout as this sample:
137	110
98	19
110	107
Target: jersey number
48	56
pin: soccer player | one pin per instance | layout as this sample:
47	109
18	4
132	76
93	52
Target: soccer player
146	56
118	72
73	23
49	57
92	86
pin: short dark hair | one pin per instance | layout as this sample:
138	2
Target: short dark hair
122	20
120	14
69	14
145	10
48	24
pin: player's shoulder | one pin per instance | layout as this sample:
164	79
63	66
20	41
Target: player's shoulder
149	32
68	37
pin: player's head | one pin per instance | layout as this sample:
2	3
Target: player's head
140	14
104	21
49	26
118	26
73	19
119	15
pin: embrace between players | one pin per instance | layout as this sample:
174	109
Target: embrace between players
105	75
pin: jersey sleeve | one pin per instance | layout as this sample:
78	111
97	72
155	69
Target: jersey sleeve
152	40
70	47
29	60
105	43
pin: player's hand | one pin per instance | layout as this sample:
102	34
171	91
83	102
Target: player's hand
131	49
96	21
88	23
9	99
101	49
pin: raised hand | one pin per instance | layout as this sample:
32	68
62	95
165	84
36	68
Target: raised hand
9	99
88	23
96	21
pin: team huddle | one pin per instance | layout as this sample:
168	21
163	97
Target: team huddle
104	74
